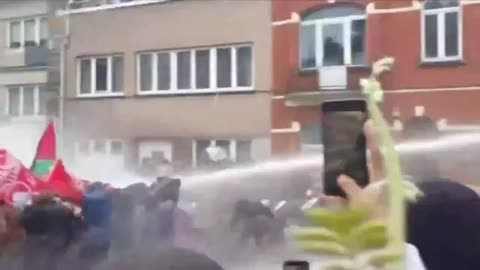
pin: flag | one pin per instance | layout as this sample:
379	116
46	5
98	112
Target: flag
46	153
16	178
64	184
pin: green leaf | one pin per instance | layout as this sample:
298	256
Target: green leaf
368	236
381	259
315	234
326	248
339	221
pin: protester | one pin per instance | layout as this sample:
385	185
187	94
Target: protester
122	221
12	236
444	224
373	197
160	207
97	214
254	221
50	230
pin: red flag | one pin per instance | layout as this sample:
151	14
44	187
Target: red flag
46	152
63	184
15	178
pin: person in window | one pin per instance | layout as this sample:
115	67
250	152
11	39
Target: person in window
333	53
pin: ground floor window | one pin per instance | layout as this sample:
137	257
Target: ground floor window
206	152
108	147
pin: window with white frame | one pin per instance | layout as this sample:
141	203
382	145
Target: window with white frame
441	30
29	32
27	100
237	151
102	75
219	68
333	36
111	147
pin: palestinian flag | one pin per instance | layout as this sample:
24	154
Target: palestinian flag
46	152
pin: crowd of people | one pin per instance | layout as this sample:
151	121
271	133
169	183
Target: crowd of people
145	227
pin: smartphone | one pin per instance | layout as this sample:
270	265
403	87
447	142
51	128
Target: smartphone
344	143
296	265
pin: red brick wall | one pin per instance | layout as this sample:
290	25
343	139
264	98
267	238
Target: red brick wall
391	34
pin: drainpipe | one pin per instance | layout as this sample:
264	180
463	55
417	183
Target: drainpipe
63	79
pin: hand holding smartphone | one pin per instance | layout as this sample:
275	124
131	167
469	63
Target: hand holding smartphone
344	143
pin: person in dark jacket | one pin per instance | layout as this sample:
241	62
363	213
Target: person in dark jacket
122	221
160	208
443	225
50	229
253	220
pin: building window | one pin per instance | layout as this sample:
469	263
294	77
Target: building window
100	76
28	100
333	36
311	137
29	32
109	147
238	151
207	69
441	31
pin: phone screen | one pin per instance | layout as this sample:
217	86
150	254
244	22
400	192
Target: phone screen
296	265
344	143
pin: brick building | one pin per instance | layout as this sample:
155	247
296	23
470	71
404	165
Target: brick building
322	53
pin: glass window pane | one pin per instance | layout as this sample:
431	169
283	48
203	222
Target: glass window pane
202	67
43	100
244	151
43	31
451	34
14	101
116	148
244	66
117	74
85	76
29	33
311	134
99	146
146	72
359	55
224	67
435	4
28	100
307	46
15	34
83	147
163	69
201	152
225	146
335	12
333	45
431	36
101	74
183	70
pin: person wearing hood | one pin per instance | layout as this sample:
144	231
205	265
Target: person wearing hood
50	230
